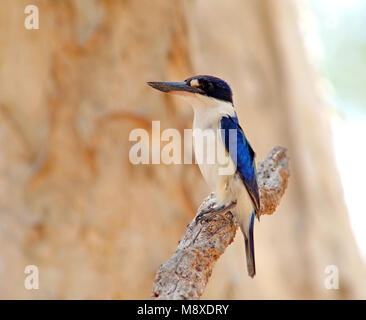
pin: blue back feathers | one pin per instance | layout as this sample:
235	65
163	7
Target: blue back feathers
243	157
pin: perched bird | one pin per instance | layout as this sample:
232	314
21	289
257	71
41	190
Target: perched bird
211	99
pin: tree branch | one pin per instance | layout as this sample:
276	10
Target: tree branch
186	274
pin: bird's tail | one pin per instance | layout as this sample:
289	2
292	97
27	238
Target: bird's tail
249	247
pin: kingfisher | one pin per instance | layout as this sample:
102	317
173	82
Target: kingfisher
212	101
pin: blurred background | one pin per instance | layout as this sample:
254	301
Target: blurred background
96	225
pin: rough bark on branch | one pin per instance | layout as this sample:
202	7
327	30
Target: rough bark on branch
186	274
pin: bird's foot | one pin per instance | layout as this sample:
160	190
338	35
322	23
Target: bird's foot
208	214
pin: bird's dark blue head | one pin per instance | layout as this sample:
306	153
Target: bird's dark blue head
205	85
212	87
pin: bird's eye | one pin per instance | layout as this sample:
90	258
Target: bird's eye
210	86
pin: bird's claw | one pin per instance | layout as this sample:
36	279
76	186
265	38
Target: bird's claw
208	214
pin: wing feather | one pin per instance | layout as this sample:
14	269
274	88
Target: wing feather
243	156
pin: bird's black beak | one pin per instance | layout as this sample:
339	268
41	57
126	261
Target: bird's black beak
174	87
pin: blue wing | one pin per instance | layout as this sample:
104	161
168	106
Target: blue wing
243	156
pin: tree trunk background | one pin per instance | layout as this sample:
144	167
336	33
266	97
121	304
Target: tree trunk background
98	226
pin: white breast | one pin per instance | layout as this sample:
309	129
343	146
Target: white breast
214	162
